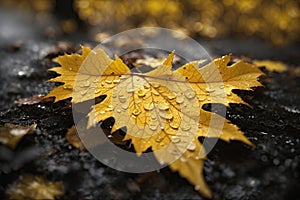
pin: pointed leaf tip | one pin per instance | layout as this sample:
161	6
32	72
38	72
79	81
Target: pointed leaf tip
169	60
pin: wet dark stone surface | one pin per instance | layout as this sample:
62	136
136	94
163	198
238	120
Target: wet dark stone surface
270	170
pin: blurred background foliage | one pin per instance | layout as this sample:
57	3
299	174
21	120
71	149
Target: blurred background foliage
276	21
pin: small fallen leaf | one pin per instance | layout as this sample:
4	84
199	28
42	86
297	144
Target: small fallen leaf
35	187
271	65
10	134
74	139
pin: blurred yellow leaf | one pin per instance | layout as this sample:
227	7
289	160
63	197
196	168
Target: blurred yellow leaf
271	65
11	134
32	187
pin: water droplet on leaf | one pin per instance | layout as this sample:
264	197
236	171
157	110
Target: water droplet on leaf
148	106
166	115
174	125
191	146
163	106
153	126
185	127
141	93
155	85
136	112
116	81
147	86
171	96
210	90
197	187
175	139
180	99
122	98
83	92
189	94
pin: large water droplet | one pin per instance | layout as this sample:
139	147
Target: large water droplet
175	139
183	159
116	81
180	99
148	106
209	90
97	91
155	93
141	93
189	94
174	125
163	106
110	136
155	85
83	92
136	112
110	107
153	126
125	106
122	98
130	89
166	115
102	112
108	81
191	146
175	153
185	127
171	96
87	84
229	93
147	86
153	116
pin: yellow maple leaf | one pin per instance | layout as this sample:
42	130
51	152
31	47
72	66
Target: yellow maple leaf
88	81
161	109
240	76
